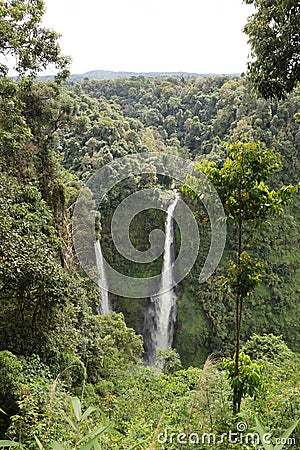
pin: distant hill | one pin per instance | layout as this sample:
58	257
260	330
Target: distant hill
110	75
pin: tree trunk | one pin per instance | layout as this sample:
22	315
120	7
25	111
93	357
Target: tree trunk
238	311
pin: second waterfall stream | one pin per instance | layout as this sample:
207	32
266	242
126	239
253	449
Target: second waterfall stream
160	318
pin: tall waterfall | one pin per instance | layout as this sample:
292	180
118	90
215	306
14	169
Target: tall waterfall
161	316
105	306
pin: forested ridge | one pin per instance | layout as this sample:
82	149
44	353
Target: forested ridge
71	378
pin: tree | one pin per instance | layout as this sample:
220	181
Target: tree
14	131
32	284
25	41
31	114
273	32
108	346
248	203
49	111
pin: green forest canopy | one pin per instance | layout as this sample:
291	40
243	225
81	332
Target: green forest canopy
53	347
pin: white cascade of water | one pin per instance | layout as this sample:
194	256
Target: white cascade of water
105	306
161	318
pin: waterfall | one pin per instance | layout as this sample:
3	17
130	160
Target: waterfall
161	316
105	306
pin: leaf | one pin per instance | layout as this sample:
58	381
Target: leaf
11	444
38	443
1	410
75	407
92	444
104	418
137	444
262	433
89	411
97	446
96	433
57	446
286	435
71	423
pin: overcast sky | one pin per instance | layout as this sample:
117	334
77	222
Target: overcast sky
203	36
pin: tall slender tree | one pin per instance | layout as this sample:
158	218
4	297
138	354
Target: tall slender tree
248	202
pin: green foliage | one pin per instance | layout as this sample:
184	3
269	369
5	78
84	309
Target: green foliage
243	276
14	131
226	110
109	346
248	381
32	283
10	380
32	46
47	303
168	360
240	183
270	347
248	201
76	421
7	443
38	398
142	404
273	32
